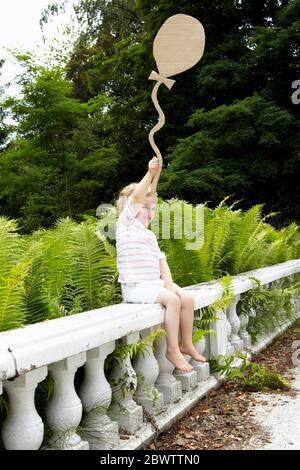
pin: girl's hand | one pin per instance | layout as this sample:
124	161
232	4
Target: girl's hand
153	166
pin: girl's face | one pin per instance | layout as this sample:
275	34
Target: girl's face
147	211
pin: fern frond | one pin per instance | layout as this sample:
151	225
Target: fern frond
93	265
12	297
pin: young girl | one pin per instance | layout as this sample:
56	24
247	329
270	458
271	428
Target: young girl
144	273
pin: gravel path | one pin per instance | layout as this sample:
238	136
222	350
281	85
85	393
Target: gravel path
279	416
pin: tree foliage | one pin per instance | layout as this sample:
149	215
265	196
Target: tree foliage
231	127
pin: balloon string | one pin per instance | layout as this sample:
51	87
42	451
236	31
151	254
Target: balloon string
158	125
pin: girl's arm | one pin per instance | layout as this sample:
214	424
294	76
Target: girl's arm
142	187
166	276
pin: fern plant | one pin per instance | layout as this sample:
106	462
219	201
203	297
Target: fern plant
209	313
15	265
247	239
205	262
272	306
253	376
199	334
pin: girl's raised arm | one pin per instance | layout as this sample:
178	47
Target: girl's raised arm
142	187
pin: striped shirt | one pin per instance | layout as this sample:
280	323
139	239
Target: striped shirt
138	253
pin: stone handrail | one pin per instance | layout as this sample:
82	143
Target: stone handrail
62	345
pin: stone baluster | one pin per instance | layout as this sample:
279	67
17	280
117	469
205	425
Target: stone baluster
166	382
219	338
95	393
252	312
235	323
64	409
23	428
244	335
202	370
123	381
188	379
147	369
206	351
203	347
230	347
295	302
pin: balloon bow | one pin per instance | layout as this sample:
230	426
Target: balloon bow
167	81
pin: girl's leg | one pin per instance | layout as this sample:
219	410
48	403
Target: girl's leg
186	325
171	301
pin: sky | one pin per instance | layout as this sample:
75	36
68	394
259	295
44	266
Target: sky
19	28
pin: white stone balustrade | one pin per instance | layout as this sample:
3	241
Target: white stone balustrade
219	337
23	427
202	370
235	324
62	345
147	366
64	409
95	393
188	379
243	333
166	382
230	347
123	381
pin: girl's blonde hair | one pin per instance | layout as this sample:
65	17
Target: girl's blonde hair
125	193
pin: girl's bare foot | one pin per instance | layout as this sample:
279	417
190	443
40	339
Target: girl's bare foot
178	361
192	351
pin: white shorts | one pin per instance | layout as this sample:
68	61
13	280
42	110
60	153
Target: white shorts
141	292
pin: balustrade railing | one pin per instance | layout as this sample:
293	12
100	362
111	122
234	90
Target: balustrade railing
115	402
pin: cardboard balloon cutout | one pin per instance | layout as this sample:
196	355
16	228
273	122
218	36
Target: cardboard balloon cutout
178	46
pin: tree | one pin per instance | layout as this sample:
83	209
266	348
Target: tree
3	127
251	58
234	149
231	127
52	167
